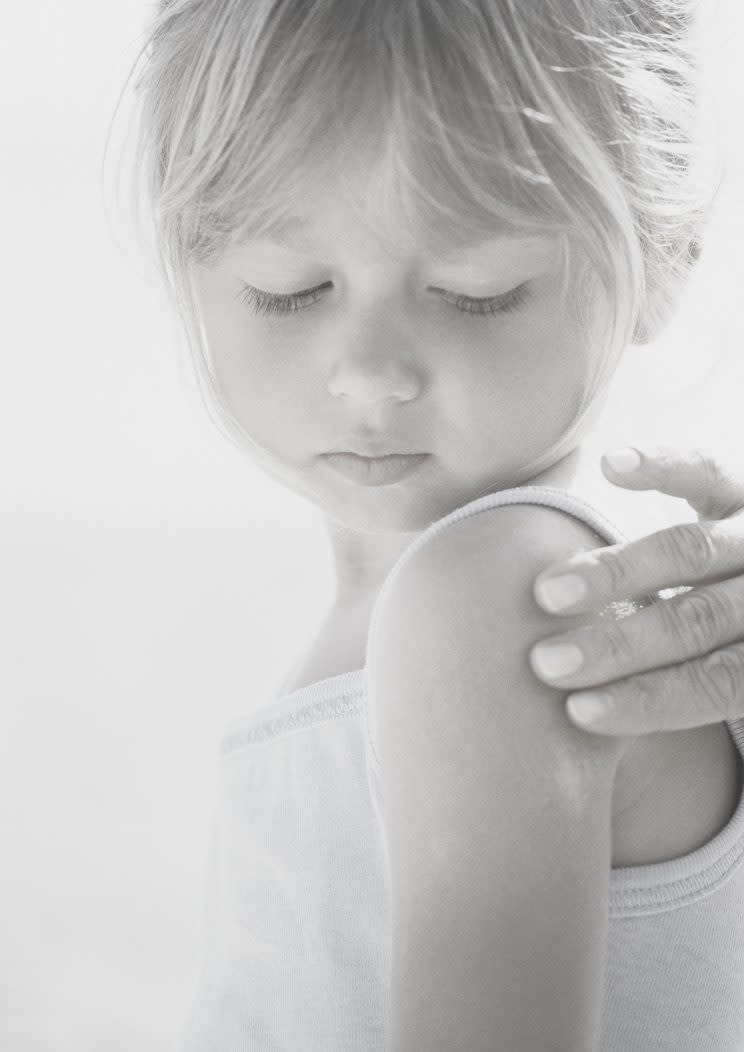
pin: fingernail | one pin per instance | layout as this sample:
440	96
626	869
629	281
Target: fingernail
589	707
556	593
557	659
622	460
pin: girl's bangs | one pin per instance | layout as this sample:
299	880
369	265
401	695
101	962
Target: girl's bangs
411	171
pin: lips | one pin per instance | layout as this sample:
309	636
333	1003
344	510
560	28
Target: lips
375	471
375	453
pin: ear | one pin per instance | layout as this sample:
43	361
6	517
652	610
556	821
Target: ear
662	307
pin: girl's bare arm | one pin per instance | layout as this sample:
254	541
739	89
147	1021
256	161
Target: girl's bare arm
497	808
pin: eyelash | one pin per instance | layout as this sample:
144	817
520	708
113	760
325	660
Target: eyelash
285	303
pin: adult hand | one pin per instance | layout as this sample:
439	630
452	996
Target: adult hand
676	663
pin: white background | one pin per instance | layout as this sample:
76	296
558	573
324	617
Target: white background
154	583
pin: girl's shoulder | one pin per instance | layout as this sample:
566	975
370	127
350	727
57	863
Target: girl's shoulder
673	791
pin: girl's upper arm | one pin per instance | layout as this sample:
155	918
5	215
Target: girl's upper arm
496	807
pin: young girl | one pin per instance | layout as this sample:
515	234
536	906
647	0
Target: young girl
410	242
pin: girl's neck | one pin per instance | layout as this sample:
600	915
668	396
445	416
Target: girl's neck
363	561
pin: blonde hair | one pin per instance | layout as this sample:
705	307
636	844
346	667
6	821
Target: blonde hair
567	116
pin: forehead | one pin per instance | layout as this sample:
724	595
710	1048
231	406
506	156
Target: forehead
364	199
301	235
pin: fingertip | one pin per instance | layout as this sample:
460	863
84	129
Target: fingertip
623	461
587	710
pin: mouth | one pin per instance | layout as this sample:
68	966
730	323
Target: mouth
376	454
375	471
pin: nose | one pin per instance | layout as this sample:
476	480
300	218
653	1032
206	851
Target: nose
374	380
374	370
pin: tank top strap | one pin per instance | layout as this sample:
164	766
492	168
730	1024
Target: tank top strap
548	496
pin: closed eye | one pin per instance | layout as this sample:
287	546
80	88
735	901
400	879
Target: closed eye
265	303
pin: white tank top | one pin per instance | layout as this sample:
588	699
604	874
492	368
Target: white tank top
297	936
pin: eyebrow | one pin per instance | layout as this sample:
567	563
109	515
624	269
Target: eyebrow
289	232
286	230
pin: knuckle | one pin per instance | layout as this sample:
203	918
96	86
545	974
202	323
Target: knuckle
612	569
709	466
715	477
691	546
695	619
661	459
645	699
721	680
612	646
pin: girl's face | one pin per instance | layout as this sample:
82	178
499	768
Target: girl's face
381	352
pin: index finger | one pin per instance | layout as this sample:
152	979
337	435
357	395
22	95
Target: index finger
712	486
686	553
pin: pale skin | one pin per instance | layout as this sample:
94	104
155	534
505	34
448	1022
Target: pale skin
380	350
679	664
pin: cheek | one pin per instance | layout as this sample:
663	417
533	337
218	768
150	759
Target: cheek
239	345
538	349
555	349
526	381
252	359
